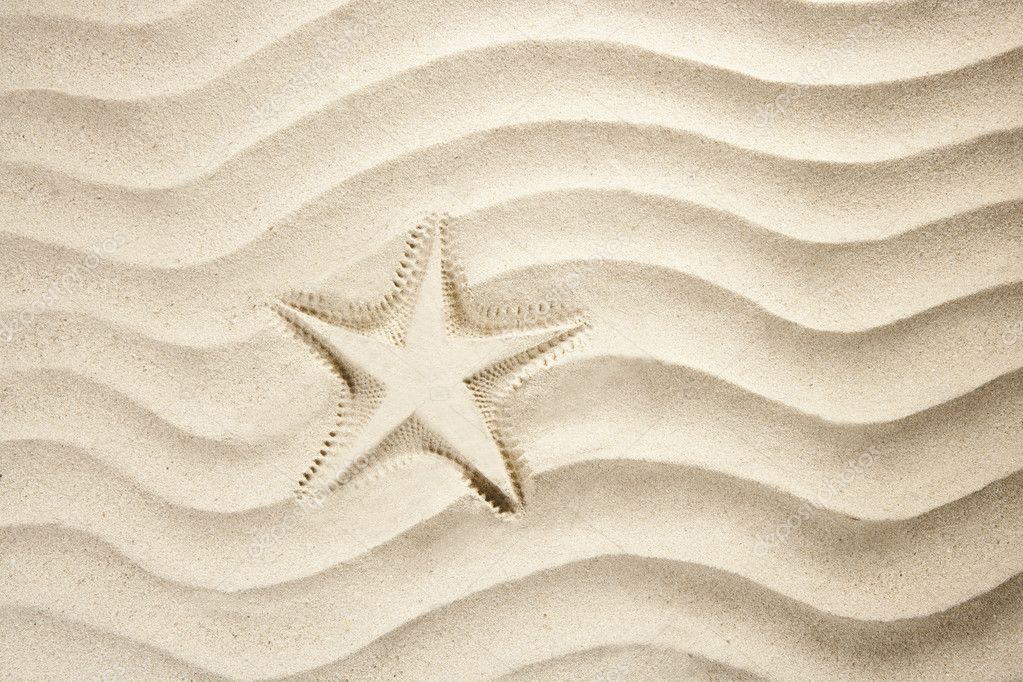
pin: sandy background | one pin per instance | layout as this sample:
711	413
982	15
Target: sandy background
790	448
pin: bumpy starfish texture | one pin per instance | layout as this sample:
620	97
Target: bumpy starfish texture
425	369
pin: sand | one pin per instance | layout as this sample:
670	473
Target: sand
516	340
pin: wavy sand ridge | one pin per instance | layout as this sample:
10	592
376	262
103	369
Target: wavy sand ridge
208	37
341	595
314	189
789	448
691	323
160	538
197	400
192	135
855	285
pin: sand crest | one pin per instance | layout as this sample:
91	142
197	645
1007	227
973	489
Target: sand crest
567	340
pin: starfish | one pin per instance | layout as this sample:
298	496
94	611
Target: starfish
426	370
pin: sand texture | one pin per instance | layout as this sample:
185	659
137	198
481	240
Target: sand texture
511	339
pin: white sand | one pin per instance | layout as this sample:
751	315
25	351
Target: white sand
737	289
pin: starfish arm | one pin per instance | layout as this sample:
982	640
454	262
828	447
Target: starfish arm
358	452
335	310
424	380
455	417
430	316
371	355
534	351
389	315
482	352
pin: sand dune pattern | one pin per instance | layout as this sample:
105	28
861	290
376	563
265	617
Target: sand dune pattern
727	328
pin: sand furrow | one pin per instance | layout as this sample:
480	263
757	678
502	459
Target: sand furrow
783	238
888	570
169	142
840	42
841	377
316	192
90	654
801	282
869	569
644	661
835	287
81	652
98	11
778	641
661	414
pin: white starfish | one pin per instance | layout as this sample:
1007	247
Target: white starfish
439	385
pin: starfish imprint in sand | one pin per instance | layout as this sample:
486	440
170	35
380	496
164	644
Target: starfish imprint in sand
426	370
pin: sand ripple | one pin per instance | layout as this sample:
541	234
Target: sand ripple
789	450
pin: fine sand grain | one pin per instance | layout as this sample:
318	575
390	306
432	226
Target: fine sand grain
519	340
